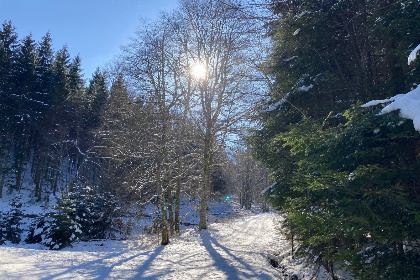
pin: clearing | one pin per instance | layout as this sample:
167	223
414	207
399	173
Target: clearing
232	249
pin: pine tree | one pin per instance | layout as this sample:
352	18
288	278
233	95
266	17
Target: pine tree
22	100
43	90
96	95
8	45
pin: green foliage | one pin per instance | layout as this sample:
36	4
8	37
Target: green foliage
83	213
92	209
10	222
346	178
48	118
60	230
354	192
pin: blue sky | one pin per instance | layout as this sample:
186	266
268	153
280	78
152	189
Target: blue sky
94	29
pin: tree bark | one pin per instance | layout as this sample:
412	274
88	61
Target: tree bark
3	173
205	190
162	204
170	209
177	203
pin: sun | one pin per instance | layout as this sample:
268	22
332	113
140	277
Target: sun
198	70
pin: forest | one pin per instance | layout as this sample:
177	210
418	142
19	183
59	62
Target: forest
226	98
147	128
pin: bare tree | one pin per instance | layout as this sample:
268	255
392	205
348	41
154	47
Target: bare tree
152	62
193	67
247	178
220	40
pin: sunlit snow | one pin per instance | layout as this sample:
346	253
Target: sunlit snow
413	55
408	104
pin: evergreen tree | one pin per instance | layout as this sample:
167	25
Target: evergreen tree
77	103
8	46
43	89
22	100
111	150
345	177
96	95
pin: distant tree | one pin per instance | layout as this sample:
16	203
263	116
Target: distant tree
42	92
8	46
23	100
97	93
247	178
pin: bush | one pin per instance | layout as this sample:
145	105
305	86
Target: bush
10	223
83	213
92	209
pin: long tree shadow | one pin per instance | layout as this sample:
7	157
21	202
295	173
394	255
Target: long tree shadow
146	265
98	266
225	264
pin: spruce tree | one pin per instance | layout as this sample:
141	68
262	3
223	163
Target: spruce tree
96	96
43	90
22	100
8	46
344	176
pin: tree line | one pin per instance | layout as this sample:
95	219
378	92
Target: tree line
347	179
43	105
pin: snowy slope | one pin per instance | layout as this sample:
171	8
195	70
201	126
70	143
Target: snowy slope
231	249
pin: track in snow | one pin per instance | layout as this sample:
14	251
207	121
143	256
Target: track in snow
235	249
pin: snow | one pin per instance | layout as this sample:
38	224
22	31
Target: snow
232	249
306	88
290	58
236	245
274	106
269	188
413	55
408	103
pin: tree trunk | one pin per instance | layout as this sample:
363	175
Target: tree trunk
205	190
162	199
164	215
19	176
4	172
177	203
55	183
3	176
37	178
170	210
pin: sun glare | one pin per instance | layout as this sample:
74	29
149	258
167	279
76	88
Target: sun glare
198	70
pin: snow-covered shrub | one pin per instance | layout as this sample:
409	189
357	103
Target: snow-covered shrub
61	230
155	227
83	213
10	223
37	230
92	209
56	230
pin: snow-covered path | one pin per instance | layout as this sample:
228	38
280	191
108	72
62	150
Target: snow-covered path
235	249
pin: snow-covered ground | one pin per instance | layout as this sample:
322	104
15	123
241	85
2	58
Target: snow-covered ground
234	248
237	245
